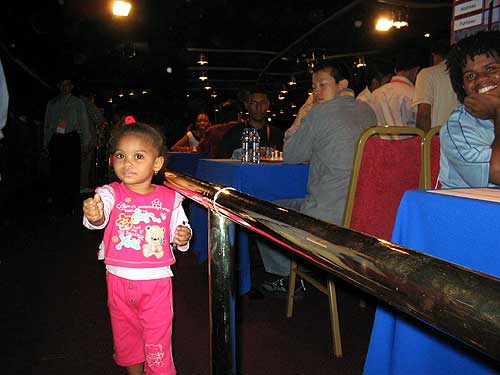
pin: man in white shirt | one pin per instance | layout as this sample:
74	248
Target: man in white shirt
434	97
392	102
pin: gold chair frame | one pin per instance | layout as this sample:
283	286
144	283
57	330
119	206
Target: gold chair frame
427	156
329	288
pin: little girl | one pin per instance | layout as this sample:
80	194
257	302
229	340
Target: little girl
143	222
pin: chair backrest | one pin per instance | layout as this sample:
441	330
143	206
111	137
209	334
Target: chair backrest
383	170
431	158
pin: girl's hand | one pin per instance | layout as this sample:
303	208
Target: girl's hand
182	235
93	209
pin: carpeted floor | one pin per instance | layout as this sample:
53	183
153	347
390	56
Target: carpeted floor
55	321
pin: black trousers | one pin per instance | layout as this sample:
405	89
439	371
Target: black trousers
65	155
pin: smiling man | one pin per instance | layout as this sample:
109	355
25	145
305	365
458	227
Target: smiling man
470	140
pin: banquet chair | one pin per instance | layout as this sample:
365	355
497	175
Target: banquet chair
431	158
388	161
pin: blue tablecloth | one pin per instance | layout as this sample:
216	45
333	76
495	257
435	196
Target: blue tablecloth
460	230
185	162
268	181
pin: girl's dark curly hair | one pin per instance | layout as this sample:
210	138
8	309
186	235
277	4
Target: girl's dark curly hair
484	42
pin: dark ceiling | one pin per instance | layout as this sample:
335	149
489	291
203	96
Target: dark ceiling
245	42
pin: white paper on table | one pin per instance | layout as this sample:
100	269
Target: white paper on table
485	194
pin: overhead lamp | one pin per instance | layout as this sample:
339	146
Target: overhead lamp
292	81
120	95
121	8
284	90
131	93
360	62
384	24
399	24
203	76
293	105
202	60
207	86
397	19
213	94
281	97
427	35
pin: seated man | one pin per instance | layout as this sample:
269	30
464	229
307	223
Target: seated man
326	138
257	104
470	148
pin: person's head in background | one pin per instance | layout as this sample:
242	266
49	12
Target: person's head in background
439	50
327	79
376	76
65	86
201	125
257	103
229	111
202	121
407	65
474	65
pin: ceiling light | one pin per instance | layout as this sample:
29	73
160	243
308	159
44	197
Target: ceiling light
292	81
203	76
399	24
202	60
383	24
427	35
131	93
360	62
213	94
207	86
281	97
120	95
121	8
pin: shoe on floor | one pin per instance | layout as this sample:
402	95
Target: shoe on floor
280	286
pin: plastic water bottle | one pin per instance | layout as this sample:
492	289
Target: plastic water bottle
255	150
245	146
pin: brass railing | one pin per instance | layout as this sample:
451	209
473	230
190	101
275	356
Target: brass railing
464	304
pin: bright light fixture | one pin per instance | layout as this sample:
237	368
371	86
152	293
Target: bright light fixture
121	8
203	76
383	24
427	35
400	24
360	63
202	60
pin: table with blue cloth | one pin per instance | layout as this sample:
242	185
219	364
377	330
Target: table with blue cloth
267	181
185	162
460	230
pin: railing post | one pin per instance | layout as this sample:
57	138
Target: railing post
221	294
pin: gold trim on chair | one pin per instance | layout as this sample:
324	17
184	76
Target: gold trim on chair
428	184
